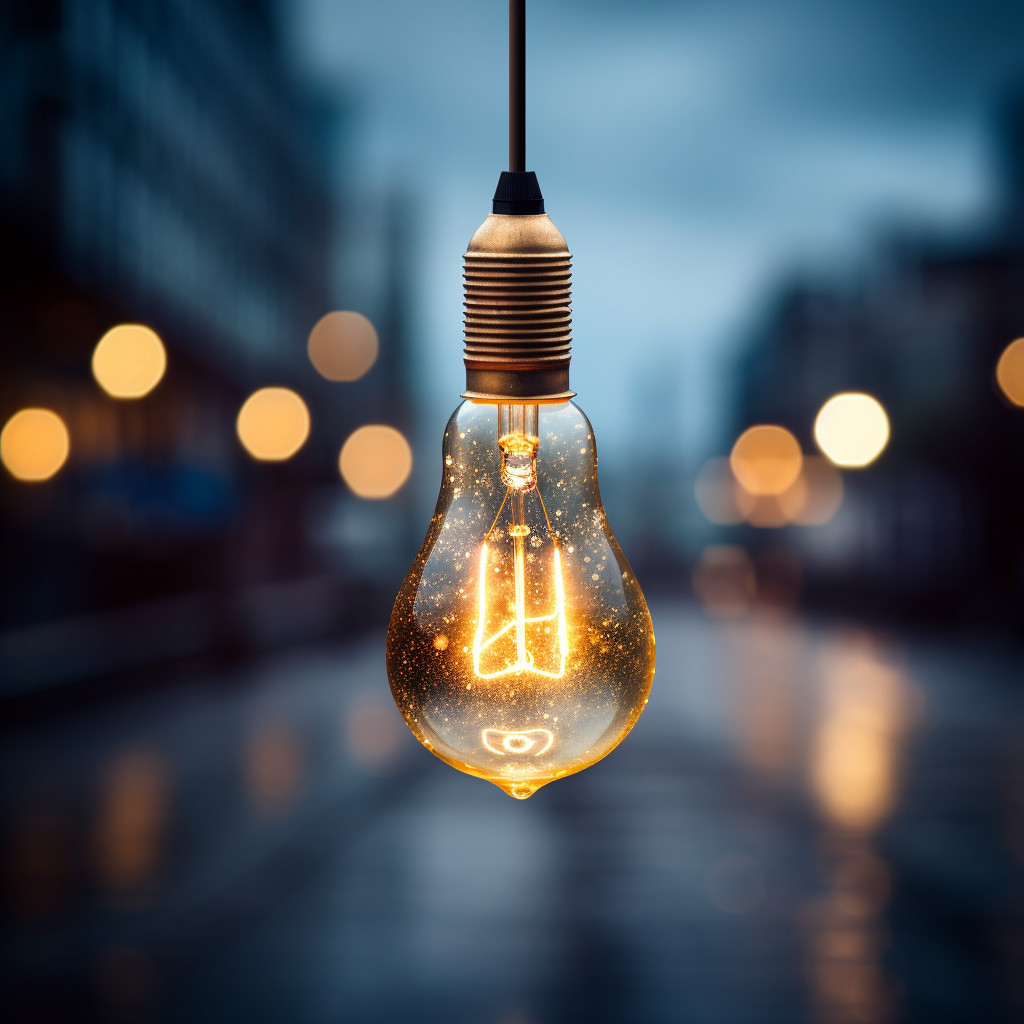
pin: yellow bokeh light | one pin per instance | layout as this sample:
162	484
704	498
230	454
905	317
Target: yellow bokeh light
852	429
375	461
766	460
34	444
854	763
342	346
273	424
129	361
1010	371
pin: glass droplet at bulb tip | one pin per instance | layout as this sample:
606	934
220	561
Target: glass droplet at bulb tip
520	790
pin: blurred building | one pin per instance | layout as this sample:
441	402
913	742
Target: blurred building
933	528
163	163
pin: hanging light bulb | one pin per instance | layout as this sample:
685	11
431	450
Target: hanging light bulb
520	648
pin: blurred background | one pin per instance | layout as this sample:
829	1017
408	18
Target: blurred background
230	282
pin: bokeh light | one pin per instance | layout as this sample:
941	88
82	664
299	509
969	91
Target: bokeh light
773	511
869	703
342	346
852	429
274	766
375	461
273	424
821	486
766	459
1010	372
718	494
130	831
129	361
34	444
724	580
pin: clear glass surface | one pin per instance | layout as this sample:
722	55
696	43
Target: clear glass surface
520	648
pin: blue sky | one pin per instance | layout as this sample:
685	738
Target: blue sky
694	154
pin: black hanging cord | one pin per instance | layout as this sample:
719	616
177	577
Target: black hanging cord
517	85
518	192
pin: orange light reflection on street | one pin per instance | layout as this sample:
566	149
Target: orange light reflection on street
274	766
868	707
846	938
130	831
34	444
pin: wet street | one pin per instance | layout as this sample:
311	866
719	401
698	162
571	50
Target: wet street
812	821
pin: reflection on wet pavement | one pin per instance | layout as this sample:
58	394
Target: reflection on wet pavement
809	823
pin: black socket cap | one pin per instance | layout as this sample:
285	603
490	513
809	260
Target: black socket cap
518	192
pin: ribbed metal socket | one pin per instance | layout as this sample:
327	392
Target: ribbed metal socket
518	282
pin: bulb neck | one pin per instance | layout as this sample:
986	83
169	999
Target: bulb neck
518	297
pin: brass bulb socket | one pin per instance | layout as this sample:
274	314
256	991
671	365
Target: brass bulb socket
518	298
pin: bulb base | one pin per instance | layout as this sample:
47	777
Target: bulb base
518	297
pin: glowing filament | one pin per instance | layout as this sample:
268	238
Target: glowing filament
498	741
524	657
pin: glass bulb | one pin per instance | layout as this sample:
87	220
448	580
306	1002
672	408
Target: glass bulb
520	648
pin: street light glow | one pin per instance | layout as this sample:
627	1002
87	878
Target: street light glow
129	361
34	444
766	460
273	424
375	461
342	346
852	429
1010	372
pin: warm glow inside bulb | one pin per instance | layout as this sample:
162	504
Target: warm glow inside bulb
342	346
852	429
520	648
375	461
273	424
129	361
34	444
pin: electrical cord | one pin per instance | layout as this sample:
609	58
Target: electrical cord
517	85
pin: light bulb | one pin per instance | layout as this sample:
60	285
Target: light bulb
520	648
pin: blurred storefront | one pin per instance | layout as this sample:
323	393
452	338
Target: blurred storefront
933	528
167	166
